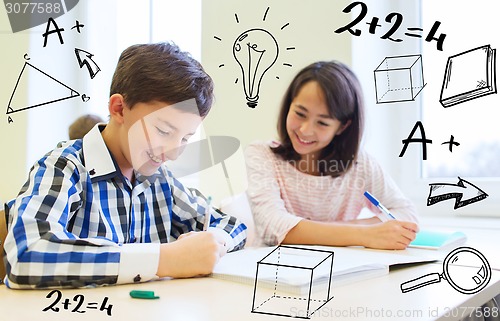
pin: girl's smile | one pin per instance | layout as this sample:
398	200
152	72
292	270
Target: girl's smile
309	124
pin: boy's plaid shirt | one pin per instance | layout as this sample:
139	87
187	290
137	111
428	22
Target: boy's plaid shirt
78	221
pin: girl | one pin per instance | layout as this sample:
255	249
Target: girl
308	188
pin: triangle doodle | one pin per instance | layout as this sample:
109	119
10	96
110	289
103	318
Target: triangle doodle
46	90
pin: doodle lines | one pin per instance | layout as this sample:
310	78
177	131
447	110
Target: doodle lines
279	260
85	59
394	18
256	51
474	281
58	90
463	192
399	78
54	90
469	75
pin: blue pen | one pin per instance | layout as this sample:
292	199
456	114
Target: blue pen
379	205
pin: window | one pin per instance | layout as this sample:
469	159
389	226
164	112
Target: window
473	123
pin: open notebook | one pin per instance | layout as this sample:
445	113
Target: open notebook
293	276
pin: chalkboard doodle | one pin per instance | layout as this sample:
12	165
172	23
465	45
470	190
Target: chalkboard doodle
54	90
255	50
399	79
76	305
463	192
394	18
469	75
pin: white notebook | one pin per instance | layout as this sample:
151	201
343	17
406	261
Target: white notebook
293	275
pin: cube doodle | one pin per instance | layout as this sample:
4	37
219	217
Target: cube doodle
399	79
291	279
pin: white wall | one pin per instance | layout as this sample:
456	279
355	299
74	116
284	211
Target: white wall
106	32
12	136
310	32
112	25
384	122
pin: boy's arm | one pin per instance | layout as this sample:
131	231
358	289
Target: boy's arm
188	214
40	251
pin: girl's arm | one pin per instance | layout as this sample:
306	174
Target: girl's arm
392	234
382	186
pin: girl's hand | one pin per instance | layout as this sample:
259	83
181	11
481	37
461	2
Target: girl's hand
390	235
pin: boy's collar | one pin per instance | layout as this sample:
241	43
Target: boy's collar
98	159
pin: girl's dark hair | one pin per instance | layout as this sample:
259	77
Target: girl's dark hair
161	72
344	98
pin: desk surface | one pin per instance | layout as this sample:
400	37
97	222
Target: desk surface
212	299
483	234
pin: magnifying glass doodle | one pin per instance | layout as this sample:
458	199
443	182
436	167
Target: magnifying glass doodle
467	281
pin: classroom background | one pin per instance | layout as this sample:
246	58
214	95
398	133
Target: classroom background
465	137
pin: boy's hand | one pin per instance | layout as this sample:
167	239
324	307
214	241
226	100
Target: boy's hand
193	254
390	235
218	237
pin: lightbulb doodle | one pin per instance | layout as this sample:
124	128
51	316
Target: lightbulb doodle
466	269
256	51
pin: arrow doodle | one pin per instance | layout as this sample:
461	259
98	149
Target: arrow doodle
85	59
463	192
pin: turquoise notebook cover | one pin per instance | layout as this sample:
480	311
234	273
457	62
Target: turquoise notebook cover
434	239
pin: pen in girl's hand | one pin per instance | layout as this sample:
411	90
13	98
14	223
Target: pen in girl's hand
379	205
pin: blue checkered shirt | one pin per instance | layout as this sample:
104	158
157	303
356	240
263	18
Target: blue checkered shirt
79	222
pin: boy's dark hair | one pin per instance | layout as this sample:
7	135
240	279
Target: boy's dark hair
344	99
161	72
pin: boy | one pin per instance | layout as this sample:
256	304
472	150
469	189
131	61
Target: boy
105	209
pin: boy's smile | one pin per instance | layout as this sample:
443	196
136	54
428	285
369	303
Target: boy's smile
158	136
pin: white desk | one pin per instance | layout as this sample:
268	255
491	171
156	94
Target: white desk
483	234
210	299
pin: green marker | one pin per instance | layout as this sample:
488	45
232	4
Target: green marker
149	295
